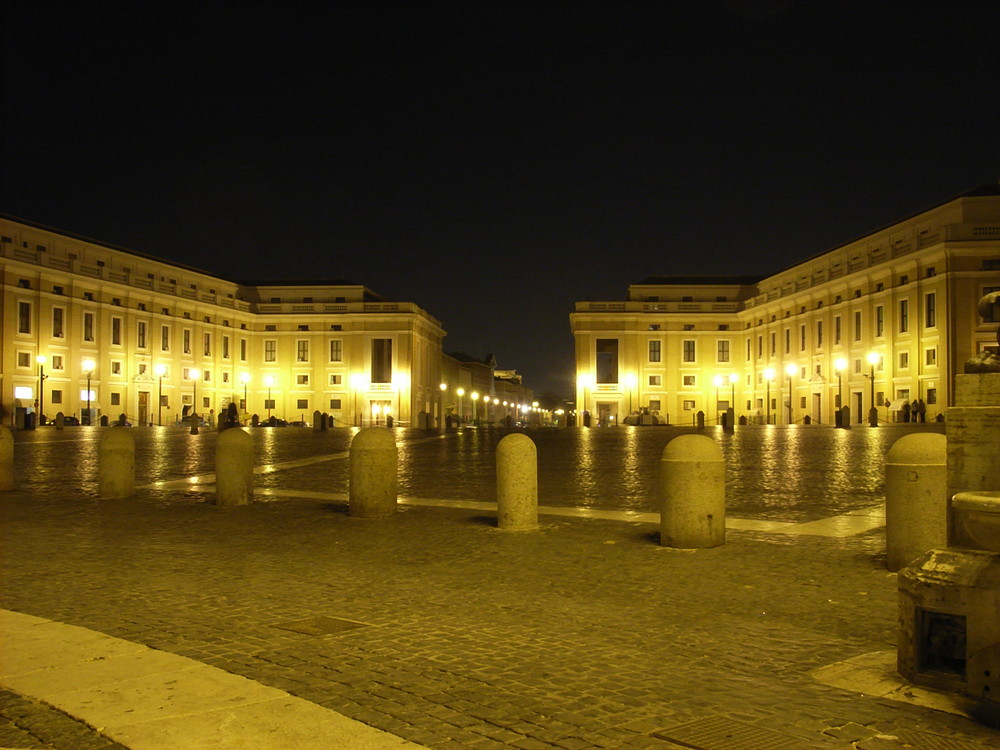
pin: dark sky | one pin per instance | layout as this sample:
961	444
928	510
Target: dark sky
494	162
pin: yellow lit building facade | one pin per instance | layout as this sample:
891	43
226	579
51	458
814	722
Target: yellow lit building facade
154	340
887	319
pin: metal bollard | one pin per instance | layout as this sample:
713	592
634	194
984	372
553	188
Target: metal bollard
373	458
517	483
6	458
116	463
234	468
693	493
916	498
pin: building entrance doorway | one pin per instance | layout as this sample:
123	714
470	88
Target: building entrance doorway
859	413
817	414
143	418
607	413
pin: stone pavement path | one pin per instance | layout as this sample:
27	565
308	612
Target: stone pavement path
440	629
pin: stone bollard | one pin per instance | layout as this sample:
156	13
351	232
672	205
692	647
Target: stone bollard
916	498
373	459
693	493
517	483
6	458
60	420
317	421
116	463
700	416
234	468
194	423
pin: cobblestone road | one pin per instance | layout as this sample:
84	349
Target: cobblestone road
584	634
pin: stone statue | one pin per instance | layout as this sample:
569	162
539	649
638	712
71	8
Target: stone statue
989	359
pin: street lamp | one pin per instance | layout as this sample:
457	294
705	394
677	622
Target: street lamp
441	415
475	407
717	381
789	371
630	382
160	372
268	381
873	359
768	377
194	374
41	359
461	411
88	367
245	377
840	365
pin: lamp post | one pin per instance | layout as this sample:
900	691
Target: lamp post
160	372
486	408
873	359
630	382
840	365
768	377
789	371
245	377
583	382
41	359
475	407
441	414
88	367
461	410
268	381
717	381
194	374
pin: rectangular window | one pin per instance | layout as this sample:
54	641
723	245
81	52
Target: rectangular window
904	315
302	403
24	359
688	351
165	338
140	334
57	362
857	326
24	317
836	330
930	357
302	379
760	345
336	380
186	341
334	403
788	340
225	347
879	321
206	376
689	406
774	343
301	350
243	350
904	360
932	395
654	351
56	397
336	350
654	404
116	331
57	322
689	380
606	351
802	338
206	340
819	333
930	310
722	351
656	380
381	360
270	350
116	399
88	326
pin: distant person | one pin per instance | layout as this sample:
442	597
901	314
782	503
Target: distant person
906	411
921	410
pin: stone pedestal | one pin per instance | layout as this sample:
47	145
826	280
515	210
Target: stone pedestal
972	427
949	617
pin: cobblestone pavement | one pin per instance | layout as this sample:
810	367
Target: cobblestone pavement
584	634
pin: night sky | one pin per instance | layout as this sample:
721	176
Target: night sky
497	162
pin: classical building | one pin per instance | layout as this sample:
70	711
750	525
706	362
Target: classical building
887	319
474	390
91	329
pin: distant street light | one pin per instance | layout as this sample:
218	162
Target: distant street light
194	375
768	377
41	359
840	365
630	383
873	359
88	367
268	381
717	381
160	372
789	371
461	409
245	377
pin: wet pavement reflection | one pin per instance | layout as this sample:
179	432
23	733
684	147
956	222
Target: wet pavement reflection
791	474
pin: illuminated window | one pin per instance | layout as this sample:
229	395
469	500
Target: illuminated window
904	315
381	360
688	352
116	331
722	351
57	322
270	350
336	350
334	403
930	310
654	351
301	350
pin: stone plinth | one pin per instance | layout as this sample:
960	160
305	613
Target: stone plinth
949	616
973	430
916	498
517	483
374	459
